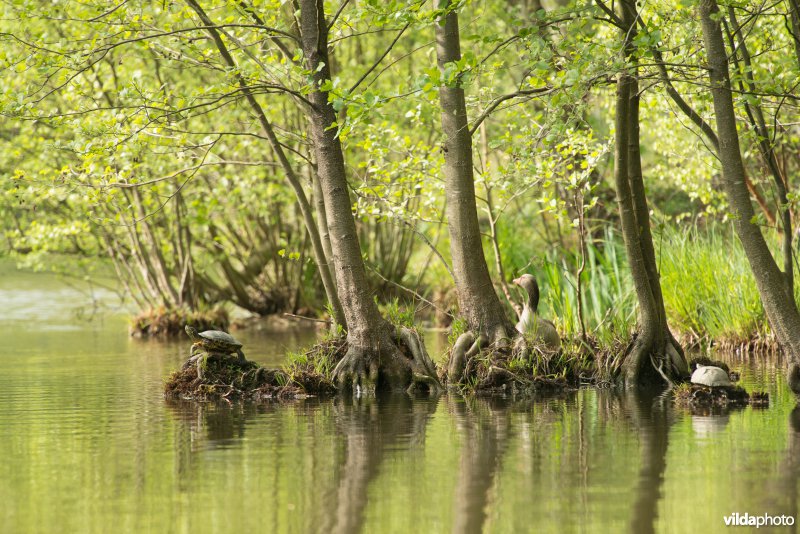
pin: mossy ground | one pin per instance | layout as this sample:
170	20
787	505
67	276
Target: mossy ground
225	377
695	396
704	398
312	369
492	371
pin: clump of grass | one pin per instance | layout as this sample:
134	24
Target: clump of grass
312	369
529	367
709	289
397	313
163	322
457	327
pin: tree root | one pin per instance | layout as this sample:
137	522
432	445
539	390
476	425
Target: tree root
423	370
466	346
646	364
400	361
358	370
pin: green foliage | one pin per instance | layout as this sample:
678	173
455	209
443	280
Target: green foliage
608	299
397	313
709	290
457	327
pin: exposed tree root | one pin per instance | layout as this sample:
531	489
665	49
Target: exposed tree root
398	362
358	370
650	363
423	370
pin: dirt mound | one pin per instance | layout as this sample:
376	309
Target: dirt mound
214	376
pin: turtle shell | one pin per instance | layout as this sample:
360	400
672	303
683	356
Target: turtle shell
707	375
214	340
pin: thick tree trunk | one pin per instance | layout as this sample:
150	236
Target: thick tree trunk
794	15
477	299
654	355
373	351
778	301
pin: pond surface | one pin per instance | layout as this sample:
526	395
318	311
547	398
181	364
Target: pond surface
88	444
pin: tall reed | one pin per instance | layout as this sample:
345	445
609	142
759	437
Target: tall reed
709	290
608	299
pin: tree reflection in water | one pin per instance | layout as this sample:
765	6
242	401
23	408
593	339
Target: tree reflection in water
650	414
370	426
484	430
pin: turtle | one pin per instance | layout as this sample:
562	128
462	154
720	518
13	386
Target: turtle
214	341
707	375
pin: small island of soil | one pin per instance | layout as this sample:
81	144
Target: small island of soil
700	396
696	395
213	376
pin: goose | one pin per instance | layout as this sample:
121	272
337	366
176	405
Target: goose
529	321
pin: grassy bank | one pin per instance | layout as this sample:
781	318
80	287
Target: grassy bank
710	294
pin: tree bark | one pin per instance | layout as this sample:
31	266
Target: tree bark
766	147
477	299
654	355
779	303
373	344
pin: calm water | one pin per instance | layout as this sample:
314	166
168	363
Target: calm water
88	444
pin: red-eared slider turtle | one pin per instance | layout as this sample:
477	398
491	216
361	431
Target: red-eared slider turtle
707	375
214	341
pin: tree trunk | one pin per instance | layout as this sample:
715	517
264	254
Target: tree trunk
291	176
779	303
477	299
654	355
765	144
373	344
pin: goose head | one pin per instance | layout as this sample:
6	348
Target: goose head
531	286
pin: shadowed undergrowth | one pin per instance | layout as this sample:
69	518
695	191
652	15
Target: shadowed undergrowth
165	323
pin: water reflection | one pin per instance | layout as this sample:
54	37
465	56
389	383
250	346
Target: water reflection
484	428
209	425
370	427
88	442
336	488
650	415
790	470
